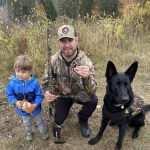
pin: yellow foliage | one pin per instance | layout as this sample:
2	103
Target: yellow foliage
40	9
95	13
127	6
108	25
99	38
119	32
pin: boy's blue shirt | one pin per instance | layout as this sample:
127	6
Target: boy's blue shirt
29	90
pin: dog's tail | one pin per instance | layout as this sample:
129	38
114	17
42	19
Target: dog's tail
146	108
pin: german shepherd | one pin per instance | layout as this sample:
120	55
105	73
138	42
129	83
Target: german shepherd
118	101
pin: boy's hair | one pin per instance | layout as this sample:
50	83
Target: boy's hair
23	62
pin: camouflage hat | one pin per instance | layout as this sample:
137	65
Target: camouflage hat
66	31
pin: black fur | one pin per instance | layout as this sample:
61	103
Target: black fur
118	99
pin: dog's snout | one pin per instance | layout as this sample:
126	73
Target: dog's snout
125	98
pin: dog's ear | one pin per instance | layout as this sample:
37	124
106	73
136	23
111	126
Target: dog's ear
131	71
110	70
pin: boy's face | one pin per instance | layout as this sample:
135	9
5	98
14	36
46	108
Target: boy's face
22	74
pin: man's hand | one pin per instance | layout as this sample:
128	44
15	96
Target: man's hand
50	97
84	71
18	104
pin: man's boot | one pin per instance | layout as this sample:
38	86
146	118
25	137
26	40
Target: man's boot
85	130
57	134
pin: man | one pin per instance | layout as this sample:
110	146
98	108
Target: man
74	74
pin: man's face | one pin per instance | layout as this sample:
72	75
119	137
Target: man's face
68	46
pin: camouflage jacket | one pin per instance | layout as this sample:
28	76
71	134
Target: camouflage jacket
69	82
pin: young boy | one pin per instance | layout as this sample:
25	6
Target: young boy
22	88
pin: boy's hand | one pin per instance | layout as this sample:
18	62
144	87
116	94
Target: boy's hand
34	106
18	104
28	107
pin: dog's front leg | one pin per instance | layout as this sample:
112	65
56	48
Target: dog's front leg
104	124
122	131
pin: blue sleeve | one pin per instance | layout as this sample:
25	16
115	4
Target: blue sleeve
38	94
10	94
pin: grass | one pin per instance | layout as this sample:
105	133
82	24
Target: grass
13	136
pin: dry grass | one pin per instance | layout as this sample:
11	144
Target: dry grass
13	137
12	132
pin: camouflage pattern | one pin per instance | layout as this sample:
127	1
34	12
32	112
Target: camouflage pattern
136	107
69	82
66	31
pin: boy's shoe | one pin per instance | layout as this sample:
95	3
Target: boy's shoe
29	136
45	135
57	134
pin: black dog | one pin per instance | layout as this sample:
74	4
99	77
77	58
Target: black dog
119	102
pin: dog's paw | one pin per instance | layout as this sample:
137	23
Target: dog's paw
116	148
135	135
93	141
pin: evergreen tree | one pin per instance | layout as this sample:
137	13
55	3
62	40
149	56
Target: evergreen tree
49	9
70	8
85	7
108	7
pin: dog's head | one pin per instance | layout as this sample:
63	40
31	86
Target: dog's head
119	83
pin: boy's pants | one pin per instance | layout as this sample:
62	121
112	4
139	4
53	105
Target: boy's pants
63	105
29	120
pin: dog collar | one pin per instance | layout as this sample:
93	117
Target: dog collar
120	105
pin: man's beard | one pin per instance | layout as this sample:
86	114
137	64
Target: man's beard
68	52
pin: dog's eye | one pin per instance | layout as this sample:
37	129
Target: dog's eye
126	84
118	83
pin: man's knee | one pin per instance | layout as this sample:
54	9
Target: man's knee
94	100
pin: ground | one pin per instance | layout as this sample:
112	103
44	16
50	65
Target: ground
12	135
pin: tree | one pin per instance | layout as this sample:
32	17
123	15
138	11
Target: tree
22	7
108	7
70	8
6	13
49	9
85	7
